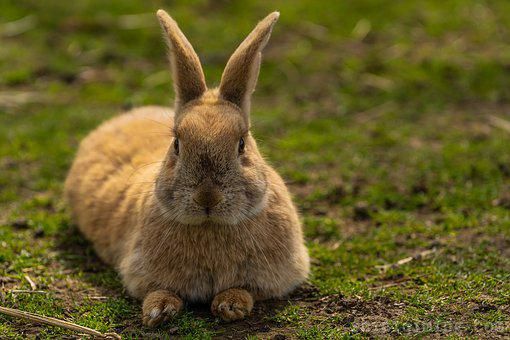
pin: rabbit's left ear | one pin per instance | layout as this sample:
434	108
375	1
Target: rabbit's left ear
240	76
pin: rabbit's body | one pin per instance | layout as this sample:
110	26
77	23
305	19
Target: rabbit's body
111	191
112	177
182	203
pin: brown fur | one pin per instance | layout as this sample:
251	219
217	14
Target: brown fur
232	304
201	223
159	306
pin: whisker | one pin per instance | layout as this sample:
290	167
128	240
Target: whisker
143	166
155	121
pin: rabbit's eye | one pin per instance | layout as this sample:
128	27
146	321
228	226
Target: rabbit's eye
241	145
176	146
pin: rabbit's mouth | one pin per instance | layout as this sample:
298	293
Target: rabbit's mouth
208	217
208	214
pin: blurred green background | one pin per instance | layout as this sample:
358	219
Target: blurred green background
390	121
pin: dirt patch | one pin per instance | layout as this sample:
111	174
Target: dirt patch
370	317
335	311
476	237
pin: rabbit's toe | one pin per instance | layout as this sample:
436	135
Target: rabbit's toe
159	306
232	304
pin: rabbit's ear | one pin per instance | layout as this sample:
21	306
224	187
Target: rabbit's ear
240	76
188	76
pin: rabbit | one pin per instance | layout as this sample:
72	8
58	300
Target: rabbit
181	202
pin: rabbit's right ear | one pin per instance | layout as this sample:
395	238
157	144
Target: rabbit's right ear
188	76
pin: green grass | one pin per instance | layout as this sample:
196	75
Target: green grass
377	113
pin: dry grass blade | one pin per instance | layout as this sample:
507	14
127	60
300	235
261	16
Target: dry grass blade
24	291
419	256
32	284
17	98
392	284
20	26
500	123
98	297
56	322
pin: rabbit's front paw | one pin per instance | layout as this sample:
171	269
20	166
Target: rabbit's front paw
232	304
159	306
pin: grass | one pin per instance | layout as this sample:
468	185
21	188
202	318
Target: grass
375	112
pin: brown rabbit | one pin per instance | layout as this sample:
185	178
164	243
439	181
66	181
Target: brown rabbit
182	203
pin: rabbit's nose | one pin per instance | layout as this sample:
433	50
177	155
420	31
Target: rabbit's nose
207	195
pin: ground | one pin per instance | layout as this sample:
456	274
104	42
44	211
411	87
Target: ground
389	120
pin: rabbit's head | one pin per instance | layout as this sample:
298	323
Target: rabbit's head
213	171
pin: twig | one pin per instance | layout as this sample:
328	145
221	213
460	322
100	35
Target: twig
500	123
403	261
33	286
398	282
56	322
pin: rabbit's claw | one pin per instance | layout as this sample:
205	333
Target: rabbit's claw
160	306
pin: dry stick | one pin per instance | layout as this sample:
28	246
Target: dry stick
56	322
500	123
403	261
